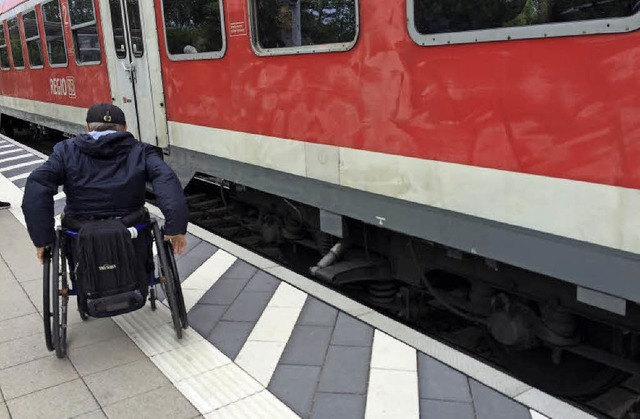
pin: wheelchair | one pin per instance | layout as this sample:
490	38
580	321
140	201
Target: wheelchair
62	279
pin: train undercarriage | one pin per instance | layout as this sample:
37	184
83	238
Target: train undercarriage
528	324
11	127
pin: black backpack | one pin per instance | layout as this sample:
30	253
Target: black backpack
108	274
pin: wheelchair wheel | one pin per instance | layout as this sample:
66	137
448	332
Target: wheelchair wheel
63	294
152	297
46	299
59	298
166	280
182	310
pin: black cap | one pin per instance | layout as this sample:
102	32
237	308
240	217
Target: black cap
106	113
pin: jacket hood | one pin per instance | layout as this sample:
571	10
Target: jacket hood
108	145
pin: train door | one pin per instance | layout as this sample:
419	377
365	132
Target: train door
132	55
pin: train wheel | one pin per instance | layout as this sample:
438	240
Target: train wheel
574	376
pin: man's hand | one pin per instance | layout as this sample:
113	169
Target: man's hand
178	242
40	253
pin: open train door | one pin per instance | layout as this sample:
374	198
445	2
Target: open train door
131	44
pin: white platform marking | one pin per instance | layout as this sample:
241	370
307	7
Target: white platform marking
17	166
20	176
190	360
204	375
219	387
393	379
205	276
261	352
16	150
21	156
392	394
536	415
7	146
389	353
538	401
258	405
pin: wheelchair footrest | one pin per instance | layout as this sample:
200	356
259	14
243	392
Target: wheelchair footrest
115	304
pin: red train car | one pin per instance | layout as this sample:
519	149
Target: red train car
39	63
494	141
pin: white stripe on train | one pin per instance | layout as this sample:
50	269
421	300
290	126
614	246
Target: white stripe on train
594	213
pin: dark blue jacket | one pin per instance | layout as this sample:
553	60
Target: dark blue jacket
104	176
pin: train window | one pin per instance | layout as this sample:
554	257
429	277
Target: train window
193	29
4	52
56	47
16	43
119	37
298	26
84	31
32	36
433	22
135	28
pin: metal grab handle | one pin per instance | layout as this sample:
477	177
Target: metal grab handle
130	70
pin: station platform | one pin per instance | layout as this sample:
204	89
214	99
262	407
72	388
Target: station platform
264	342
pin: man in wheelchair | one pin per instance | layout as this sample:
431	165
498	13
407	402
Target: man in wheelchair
104	175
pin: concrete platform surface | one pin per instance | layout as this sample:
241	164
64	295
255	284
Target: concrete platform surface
105	375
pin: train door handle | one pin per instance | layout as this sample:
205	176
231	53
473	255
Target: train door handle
130	70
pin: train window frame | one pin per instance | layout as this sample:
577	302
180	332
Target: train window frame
135	53
303	49
119	18
73	27
514	33
21	38
37	37
214	55
64	37
5	46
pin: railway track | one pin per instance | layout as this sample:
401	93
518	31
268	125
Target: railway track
600	390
